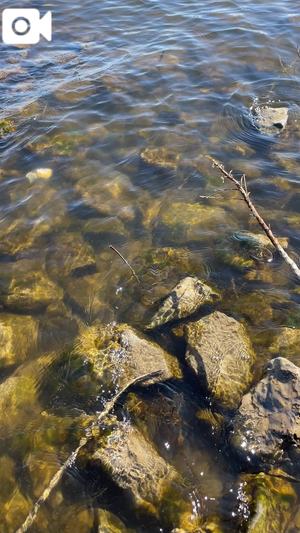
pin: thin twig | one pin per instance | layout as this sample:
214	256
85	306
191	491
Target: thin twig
215	194
125	261
70	460
243	189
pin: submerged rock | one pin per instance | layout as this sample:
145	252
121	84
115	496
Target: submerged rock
8	481
266	427
184	300
50	436
245	249
101	231
70	255
59	144
43	211
270	500
219	352
7	126
81	519
57	327
168	421
118	354
88	297
150	484
39	174
182	222
159	268
73	91
165	432
110	523
271	120
161	157
254	306
28	289
18	338
15	510
19	399
212	421
257	242
286	344
109	194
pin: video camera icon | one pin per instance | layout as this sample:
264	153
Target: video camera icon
25	26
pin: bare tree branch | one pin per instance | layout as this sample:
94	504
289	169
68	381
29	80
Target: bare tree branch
243	189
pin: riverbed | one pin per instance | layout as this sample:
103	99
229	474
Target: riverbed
104	134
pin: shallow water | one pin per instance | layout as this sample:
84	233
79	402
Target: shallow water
119	78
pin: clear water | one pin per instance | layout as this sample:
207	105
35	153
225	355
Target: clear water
120	77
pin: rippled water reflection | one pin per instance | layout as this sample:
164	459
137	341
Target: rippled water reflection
118	79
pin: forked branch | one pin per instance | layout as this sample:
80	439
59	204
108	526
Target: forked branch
241	186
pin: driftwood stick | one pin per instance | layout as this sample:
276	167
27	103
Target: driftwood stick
243	189
125	261
72	457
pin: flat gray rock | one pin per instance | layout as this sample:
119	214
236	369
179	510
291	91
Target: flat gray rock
271	120
184	300
266	427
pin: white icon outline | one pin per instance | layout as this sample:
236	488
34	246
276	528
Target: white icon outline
25	26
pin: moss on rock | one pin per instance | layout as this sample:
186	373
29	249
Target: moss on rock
219	351
6	126
271	501
118	354
18	338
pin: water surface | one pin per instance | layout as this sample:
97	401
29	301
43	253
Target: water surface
118	78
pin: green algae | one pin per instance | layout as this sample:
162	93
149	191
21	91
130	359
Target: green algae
271	502
59	144
7	126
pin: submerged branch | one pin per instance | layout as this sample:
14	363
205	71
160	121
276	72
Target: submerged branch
125	261
72	457
241	186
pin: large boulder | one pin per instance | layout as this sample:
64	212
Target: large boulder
119	354
185	299
266	428
220	353
18	338
151	486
